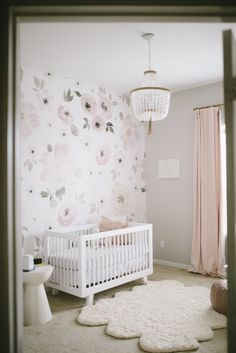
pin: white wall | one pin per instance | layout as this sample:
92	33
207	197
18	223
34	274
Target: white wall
170	201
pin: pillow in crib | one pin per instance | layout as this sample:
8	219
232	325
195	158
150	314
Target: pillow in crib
108	224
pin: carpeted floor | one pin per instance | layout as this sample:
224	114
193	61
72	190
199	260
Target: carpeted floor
64	335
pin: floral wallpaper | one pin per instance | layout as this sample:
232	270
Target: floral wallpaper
82	156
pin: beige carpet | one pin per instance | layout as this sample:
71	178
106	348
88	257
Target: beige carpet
64	335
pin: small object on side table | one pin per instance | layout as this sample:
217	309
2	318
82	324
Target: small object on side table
38	260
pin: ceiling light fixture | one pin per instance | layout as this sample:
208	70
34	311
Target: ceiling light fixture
150	101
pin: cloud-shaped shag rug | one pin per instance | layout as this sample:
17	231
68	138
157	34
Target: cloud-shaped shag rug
166	315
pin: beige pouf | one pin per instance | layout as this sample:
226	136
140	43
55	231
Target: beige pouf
219	291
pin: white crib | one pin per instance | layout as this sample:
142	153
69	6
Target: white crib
87	262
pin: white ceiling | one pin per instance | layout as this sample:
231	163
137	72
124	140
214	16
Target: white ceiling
114	54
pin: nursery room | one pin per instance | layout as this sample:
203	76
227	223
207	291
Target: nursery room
123	187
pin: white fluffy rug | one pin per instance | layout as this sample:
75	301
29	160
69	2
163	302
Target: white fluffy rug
166	315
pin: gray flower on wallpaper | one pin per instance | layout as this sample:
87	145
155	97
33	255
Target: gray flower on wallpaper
68	97
120	199
88	104
98	123
45	100
105	107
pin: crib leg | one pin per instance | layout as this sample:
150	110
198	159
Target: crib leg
89	299
144	280
55	291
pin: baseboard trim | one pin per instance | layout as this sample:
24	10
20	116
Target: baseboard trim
171	264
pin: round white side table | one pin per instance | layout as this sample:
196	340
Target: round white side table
36	307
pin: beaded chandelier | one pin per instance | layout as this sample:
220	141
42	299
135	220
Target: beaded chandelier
150	101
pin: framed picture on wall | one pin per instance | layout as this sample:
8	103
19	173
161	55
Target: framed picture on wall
168	168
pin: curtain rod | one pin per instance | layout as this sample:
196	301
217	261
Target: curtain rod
210	106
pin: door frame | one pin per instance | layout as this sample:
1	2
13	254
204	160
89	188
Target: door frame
10	248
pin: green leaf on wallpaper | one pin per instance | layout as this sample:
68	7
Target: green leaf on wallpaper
74	130
44	194
121	115
67	96
78	94
29	166
127	98
49	147
109	127
110	97
92	208
21	74
36	82
60	192
114	103
134	168
53	203
25	228
42	84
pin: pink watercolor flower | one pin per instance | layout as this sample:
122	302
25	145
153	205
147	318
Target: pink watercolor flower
66	215
45	100
56	164
129	133
105	107
120	199
103	155
88	104
98	123
29	119
64	114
